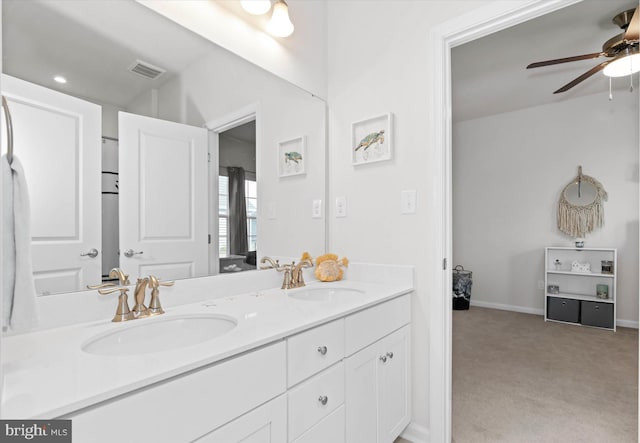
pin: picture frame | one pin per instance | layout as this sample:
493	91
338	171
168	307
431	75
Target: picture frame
292	157
371	140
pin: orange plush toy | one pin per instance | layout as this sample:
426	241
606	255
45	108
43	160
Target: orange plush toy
329	268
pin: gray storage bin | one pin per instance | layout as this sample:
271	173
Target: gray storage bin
597	314
563	309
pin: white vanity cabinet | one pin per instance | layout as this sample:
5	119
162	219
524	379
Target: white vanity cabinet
346	380
377	378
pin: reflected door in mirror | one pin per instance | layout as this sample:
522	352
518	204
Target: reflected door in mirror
163	198
57	139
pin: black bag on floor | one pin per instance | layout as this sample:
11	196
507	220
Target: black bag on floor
461	288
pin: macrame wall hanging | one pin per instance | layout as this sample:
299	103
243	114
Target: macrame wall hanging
580	209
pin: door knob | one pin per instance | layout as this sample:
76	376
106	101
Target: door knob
93	253
130	253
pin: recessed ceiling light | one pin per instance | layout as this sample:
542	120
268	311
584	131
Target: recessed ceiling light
60	79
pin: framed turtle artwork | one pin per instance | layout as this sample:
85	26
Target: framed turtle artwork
371	140
292	157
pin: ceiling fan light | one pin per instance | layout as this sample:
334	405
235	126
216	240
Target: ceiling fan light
623	66
256	7
280	24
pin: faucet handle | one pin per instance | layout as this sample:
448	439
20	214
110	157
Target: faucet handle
100	286
273	264
155	308
123	313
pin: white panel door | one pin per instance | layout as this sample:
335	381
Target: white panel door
57	140
163	198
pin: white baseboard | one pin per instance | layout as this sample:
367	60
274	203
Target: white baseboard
415	433
627	324
503	307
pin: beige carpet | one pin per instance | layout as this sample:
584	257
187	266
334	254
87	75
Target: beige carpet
519	379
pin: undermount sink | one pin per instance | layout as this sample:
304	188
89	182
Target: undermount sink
159	334
324	294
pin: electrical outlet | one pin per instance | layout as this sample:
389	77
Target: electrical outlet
341	206
540	284
316	209
408	201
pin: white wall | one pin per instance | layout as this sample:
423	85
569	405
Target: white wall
300	58
509	170
380	61
237	153
221	84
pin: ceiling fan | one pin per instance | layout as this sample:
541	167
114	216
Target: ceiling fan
616	48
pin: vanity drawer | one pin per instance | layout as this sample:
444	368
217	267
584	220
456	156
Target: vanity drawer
316	398
330	429
368	326
313	350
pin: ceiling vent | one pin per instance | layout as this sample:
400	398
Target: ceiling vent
146	70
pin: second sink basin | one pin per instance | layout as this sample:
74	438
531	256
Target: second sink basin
323	294
159	334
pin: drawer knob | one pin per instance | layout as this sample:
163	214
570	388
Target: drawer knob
322	350
323	399
390	354
383	358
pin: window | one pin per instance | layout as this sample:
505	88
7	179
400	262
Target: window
251	201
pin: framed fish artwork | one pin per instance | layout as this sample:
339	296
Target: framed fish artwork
292	157
371	140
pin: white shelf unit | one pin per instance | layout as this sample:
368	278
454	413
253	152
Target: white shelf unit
576	302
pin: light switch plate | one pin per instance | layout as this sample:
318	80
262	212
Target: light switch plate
316	209
341	206
271	211
408	202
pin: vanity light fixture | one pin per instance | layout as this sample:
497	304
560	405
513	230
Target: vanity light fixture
280	25
60	79
256	7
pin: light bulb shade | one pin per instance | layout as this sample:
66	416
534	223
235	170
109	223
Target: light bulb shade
623	66
280	24
256	7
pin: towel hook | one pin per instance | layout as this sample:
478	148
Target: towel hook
7	116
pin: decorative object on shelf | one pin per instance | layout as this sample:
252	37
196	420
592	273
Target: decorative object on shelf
602	291
580	209
579	243
292	157
607	266
371	140
557	264
329	268
553	289
581	267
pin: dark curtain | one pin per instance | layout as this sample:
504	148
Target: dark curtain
237	212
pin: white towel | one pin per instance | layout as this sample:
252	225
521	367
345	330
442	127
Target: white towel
18	289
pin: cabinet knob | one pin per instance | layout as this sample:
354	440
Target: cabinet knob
323	399
390	354
322	350
383	358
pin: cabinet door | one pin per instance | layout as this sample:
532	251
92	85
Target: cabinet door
361	395
329	430
266	424
394	410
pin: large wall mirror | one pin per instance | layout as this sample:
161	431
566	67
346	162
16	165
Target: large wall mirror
139	160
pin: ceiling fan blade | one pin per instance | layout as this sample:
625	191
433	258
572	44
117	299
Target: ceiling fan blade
633	30
583	77
566	60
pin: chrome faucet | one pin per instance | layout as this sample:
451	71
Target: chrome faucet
292	273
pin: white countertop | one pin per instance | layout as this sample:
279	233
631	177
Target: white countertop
47	375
